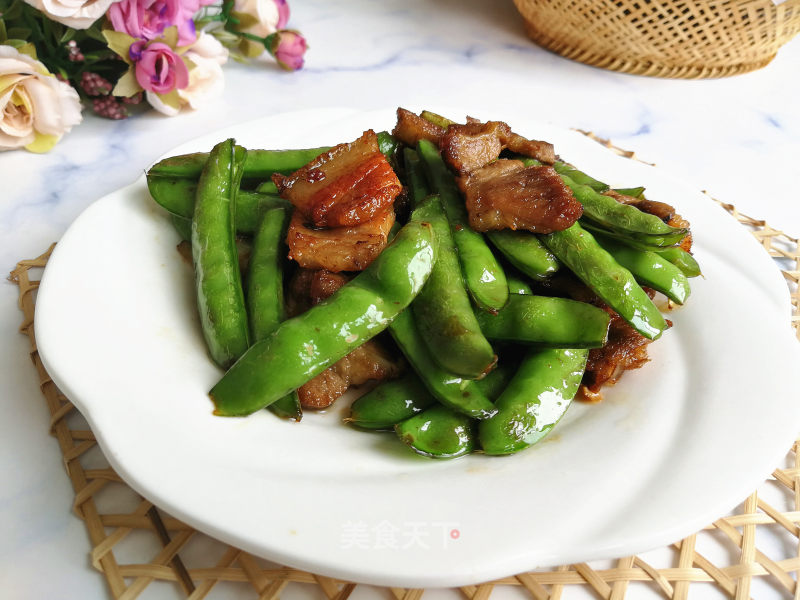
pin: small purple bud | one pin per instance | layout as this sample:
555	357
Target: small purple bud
288	48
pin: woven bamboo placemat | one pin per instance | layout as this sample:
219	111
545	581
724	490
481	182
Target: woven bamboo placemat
137	547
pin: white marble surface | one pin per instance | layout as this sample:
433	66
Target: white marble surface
738	138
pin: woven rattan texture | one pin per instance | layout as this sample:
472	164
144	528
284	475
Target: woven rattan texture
664	38
137	547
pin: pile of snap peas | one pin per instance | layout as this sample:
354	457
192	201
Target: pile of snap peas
493	367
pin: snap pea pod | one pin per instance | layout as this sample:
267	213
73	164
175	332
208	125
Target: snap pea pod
265	305
634	192
579	177
534	400
390	402
438	432
683	260
517	285
439	120
220	298
624	219
415	177
393	401
304	346
460	394
388	145
614	284
483	275
526	252
547	321
183	226
267	187
259	164
649	268
177	196
443	310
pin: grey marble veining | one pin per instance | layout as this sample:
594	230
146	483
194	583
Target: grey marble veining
738	138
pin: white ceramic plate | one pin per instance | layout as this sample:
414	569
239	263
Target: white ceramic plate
675	445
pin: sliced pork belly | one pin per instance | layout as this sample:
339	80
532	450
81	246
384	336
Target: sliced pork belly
411	128
507	195
625	349
340	248
467	148
368	361
348	185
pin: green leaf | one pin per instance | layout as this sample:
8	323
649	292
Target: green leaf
69	34
170	36
171	99
120	43
3	32
127	85
28	49
22	33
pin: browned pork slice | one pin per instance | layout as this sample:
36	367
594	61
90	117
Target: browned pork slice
348	185
340	248
411	128
625	349
467	148
368	361
507	195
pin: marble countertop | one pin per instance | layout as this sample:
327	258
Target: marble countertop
738	138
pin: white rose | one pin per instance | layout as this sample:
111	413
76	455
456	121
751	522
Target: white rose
78	14
206	80
263	12
36	109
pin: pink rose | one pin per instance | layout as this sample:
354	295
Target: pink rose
147	19
283	13
288	48
158	67
206	81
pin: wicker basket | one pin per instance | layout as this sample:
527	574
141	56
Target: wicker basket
664	38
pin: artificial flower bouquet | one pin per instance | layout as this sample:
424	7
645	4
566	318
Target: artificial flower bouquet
112	55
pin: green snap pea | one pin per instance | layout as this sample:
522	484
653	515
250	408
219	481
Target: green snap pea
459	394
177	196
220	298
496	381
265	305
579	177
393	401
634	192
683	260
414	175
517	285
390	402
526	252
614	284
624	219
304	346
438	432
483	275
534	400
183	226
649	268
443	310
388	145
547	321
259	164
439	120
267	187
